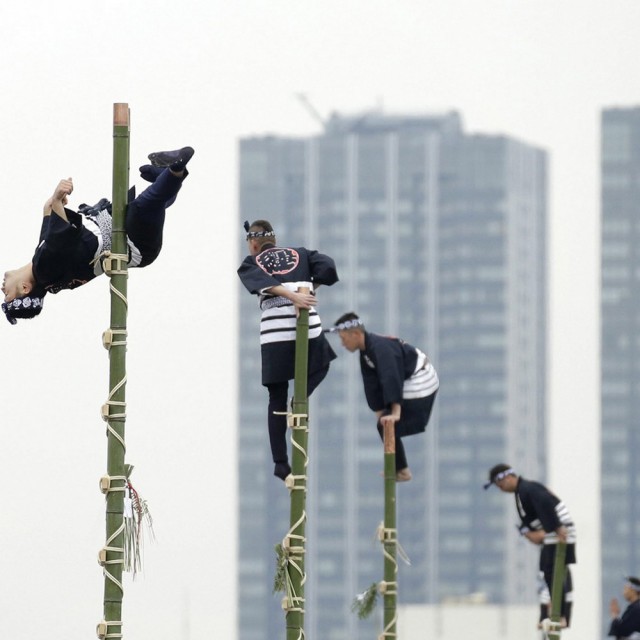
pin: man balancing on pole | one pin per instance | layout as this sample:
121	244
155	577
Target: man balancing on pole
400	383
275	274
544	521
71	243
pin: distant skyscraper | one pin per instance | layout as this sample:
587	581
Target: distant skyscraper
620	384
439	237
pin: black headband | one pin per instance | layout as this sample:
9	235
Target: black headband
257	234
15	309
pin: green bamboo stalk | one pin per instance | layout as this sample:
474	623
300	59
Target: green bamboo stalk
115	407
390	586
299	440
559	571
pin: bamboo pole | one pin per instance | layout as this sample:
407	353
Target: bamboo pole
390	586
112	556
557	591
299	438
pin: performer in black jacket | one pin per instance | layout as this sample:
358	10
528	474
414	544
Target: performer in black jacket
627	625
274	274
400	383
71	243
544	520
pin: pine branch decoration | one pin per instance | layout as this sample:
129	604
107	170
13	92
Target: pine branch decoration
365	602
280	577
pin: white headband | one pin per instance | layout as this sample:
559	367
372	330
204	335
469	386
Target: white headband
633	586
499	476
504	474
347	324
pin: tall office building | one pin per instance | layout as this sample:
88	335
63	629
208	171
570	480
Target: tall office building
439	238
620	384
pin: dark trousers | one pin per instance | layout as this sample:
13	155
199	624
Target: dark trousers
547	560
144	221
414	418
278	396
401	456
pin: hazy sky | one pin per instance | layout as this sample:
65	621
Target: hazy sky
204	73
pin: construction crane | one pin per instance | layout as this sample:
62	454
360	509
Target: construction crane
311	110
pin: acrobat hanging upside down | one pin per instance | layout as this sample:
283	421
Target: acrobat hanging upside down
71	243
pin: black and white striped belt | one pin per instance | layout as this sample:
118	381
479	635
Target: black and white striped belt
275	301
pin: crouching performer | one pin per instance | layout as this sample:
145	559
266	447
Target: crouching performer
400	383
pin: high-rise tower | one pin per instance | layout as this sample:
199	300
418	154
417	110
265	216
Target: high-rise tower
439	238
620	355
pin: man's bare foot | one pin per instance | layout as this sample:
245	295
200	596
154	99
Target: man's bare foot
404	475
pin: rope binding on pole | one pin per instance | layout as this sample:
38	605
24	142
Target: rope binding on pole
102	629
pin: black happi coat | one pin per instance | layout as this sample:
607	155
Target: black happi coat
280	265
276	265
628	623
62	259
386	363
540	509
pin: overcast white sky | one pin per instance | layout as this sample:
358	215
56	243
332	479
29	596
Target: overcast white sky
204	73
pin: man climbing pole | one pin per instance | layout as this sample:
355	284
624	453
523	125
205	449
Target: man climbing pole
71	243
545	521
400	383
275	274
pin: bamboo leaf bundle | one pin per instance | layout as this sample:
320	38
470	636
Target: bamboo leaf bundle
364	603
279	578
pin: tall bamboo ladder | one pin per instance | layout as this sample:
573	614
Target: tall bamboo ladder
557	591
389	587
111	556
294	543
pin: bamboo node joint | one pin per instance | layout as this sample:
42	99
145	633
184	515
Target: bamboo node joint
387	588
105	483
106	410
109	335
294	420
297	420
291	482
102	629
102	556
115	264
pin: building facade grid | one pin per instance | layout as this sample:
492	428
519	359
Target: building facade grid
440	238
